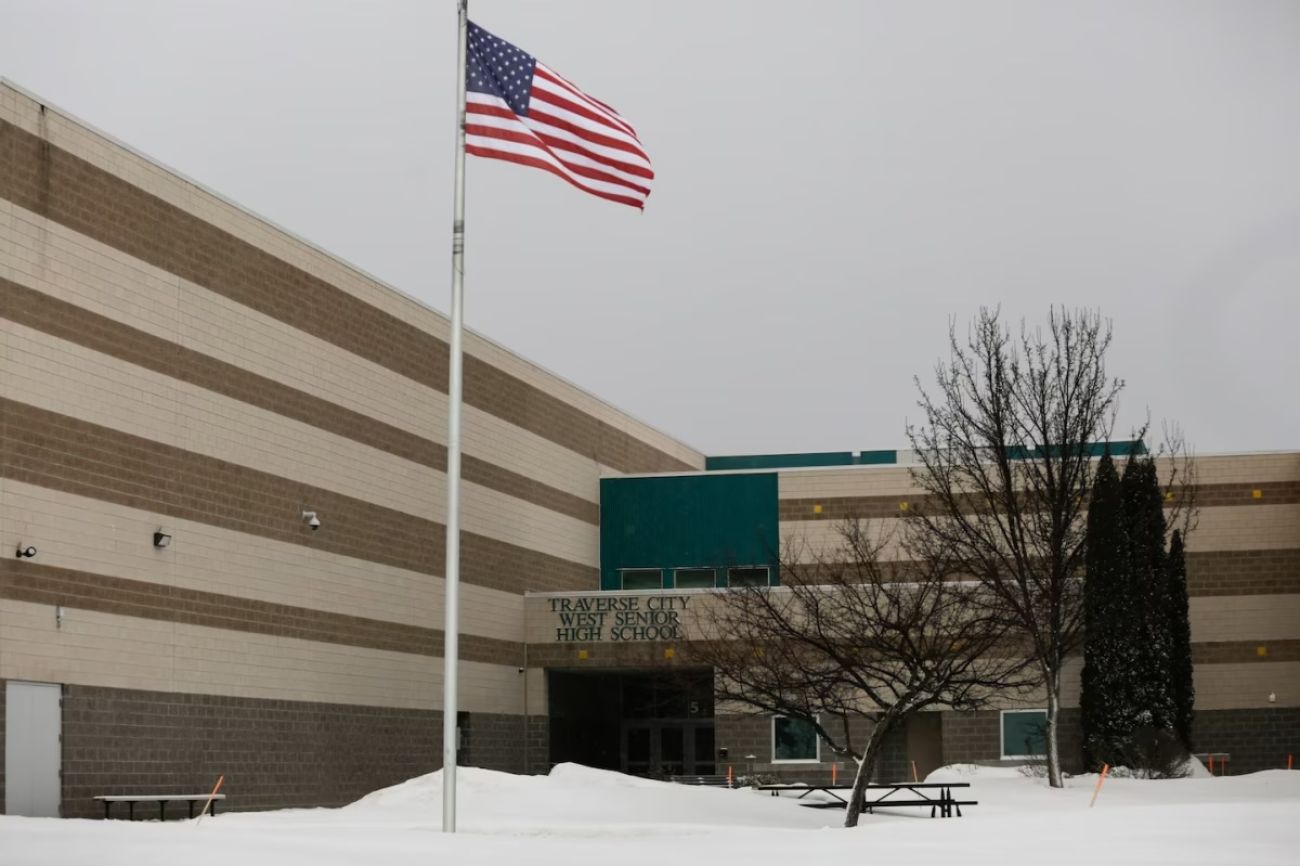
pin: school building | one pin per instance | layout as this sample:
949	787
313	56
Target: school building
221	529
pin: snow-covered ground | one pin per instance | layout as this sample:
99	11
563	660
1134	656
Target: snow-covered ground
582	816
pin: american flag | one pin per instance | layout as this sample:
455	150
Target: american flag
522	111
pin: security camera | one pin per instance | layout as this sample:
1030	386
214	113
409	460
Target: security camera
26	552
313	522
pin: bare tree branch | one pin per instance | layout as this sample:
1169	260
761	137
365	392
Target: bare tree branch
844	640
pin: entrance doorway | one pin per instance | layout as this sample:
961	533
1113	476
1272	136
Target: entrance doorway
668	747
653	723
33	755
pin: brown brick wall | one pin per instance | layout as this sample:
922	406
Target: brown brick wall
1249	651
1243	572
1209	572
751	734
72	323
975	738
274	754
875	507
537	755
1255	739
64	453
493	742
3	717
610	654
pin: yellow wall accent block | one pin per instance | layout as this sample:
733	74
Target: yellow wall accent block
582	655
1257	494
1261	651
902	506
817	509
670	653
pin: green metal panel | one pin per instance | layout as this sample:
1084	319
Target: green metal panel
1095	449
1024	733
779	461
685	521
877	458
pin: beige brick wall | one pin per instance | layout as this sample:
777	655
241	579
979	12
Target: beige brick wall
93	648
71	267
63	377
1245	617
81	533
90	535
75	138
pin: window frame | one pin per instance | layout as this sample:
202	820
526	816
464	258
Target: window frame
710	569
622	579
766	569
817	744
1002	734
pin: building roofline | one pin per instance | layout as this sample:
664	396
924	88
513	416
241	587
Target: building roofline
868	467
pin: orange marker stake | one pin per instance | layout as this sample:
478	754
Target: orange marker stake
1289	756
1105	768
729	785
834	773
1211	765
211	797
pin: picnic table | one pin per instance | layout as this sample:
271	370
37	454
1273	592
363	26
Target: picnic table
920	795
716	781
161	799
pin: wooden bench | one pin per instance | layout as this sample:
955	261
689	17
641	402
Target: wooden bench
161	799
714	781
944	804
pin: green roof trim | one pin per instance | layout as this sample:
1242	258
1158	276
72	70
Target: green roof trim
778	461
1122	448
877	458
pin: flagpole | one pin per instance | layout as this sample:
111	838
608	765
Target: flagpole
451	603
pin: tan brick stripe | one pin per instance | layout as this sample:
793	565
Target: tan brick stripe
52	450
1209	573
77	325
23	580
1242	651
658	654
877	507
74	193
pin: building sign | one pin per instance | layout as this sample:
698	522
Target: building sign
618	618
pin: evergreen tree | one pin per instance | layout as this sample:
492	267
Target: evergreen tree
1108	715
1147	591
1183	691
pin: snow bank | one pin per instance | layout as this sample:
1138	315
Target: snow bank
576	796
580	815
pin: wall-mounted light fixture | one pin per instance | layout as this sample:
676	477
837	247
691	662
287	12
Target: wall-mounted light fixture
58	616
312	521
25	552
161	540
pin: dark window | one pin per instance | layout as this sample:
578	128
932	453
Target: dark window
694	578
749	576
793	740
643	578
1024	733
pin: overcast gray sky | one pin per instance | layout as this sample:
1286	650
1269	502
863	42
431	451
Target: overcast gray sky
835	180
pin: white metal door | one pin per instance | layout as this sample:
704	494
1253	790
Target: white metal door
33	720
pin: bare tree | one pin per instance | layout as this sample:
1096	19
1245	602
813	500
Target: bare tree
845	640
1005	457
